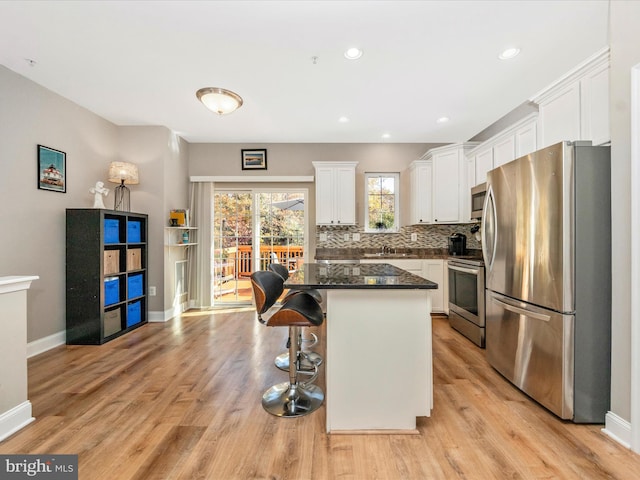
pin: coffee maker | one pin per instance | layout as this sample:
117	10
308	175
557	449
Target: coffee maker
457	244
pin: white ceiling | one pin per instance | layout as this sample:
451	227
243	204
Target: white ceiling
141	62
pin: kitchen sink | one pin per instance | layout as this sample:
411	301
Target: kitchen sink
390	255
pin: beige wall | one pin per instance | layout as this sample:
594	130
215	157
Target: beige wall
295	159
161	157
33	220
625	54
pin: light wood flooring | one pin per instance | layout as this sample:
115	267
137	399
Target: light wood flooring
182	400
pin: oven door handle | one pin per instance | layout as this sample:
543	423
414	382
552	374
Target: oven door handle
472	271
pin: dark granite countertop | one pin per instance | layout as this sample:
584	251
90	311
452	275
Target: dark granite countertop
355	276
372	253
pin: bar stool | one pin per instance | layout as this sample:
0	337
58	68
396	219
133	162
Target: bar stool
267	288
311	358
293	398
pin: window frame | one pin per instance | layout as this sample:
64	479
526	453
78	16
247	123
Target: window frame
396	205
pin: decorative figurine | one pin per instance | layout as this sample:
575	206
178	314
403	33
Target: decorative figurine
98	192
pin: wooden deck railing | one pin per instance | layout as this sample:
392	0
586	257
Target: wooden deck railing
240	256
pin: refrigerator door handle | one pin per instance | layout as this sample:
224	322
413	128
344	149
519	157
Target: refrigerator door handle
522	311
489	230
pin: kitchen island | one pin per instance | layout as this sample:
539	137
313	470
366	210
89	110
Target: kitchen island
379	374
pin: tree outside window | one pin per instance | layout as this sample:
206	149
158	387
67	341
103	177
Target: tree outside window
381	203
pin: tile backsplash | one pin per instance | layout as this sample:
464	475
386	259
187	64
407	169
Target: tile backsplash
428	236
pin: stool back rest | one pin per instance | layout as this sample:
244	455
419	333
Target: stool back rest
280	269
267	287
300	310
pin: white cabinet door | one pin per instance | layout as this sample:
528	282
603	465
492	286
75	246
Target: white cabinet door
560	117
504	151
484	163
421	208
434	270
335	193
526	139
446	187
324	195
431	270
345	195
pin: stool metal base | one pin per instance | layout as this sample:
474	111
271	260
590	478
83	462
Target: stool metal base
306	364
289	401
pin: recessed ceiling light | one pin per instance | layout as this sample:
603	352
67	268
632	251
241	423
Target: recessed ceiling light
343	119
386	135
509	53
353	53
442	120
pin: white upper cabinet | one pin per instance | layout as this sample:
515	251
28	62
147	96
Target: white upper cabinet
577	106
526	138
446	189
515	141
421	181
484	163
504	150
446	186
335	193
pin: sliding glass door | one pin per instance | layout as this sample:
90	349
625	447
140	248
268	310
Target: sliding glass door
251	229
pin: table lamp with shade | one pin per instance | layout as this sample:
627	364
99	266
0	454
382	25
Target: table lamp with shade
123	173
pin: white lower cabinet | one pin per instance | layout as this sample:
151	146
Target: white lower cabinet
431	270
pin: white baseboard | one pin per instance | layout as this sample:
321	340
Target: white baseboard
14	419
169	313
154	317
47	343
618	429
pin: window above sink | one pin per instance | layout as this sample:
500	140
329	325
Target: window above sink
382	202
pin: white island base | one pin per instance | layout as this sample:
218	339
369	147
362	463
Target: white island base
15	407
378	364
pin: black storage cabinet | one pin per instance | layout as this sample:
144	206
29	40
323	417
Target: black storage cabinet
106	274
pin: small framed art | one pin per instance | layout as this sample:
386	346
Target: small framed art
254	159
52	169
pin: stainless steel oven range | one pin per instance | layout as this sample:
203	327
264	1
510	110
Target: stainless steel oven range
466	297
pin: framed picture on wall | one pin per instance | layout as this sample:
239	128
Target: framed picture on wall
254	159
52	169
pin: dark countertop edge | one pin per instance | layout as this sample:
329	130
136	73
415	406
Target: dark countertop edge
360	254
429	285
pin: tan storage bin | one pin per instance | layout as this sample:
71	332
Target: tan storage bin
111	262
112	322
134	259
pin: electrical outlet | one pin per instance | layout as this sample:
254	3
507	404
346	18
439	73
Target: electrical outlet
356	237
414	237
152	291
346	237
323	237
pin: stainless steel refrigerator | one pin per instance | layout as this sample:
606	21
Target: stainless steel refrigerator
547	248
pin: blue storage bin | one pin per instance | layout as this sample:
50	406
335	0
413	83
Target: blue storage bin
134	313
134	234
111	230
135	287
111	290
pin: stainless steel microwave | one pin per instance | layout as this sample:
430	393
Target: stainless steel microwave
477	200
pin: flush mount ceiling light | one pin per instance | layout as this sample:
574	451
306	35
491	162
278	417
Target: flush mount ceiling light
343	119
353	53
509	53
219	100
442	120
